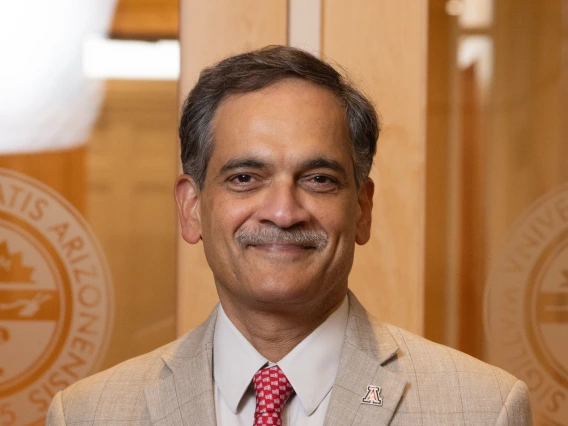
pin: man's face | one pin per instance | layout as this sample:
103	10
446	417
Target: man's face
279	213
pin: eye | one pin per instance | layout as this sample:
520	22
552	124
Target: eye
242	178
322	179
243	182
321	183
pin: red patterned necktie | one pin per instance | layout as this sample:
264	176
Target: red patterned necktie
272	391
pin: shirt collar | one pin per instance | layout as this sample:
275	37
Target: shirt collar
235	361
310	367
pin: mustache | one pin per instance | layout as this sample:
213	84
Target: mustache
274	235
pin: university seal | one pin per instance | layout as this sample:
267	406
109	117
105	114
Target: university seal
56	304
526	306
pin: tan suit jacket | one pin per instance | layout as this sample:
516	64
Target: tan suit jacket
422	383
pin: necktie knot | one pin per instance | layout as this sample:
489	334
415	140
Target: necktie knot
272	391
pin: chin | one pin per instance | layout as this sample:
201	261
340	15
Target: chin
282	292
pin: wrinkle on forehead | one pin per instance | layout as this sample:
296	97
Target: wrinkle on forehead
282	115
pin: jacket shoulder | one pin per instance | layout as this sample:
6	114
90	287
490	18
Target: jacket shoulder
440	376
428	356
112	393
118	392
138	370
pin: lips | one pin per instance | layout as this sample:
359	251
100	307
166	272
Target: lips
283	247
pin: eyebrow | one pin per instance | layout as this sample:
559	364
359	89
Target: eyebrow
324	163
313	163
238	163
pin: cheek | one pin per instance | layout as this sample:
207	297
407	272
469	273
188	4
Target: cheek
338	220
224	216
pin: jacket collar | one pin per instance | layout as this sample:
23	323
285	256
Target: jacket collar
184	395
368	347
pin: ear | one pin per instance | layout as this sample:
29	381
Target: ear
365	200
187	199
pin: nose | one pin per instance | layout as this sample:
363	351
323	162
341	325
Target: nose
281	206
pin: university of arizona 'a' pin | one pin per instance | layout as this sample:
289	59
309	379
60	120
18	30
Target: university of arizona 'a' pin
373	396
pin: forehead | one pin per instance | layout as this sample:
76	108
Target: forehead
291	115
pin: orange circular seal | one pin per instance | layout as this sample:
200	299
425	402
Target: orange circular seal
56	304
526	305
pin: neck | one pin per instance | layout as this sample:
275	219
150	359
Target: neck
274	333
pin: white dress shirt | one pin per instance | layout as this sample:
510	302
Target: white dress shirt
310	367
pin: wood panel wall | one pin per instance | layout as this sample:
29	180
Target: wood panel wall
130	166
383	45
62	170
441	59
491	153
146	19
529	156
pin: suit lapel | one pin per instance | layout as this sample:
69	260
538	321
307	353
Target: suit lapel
368	346
184	393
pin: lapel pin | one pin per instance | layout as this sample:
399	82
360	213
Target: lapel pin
373	396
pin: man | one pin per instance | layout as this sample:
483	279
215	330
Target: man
276	148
